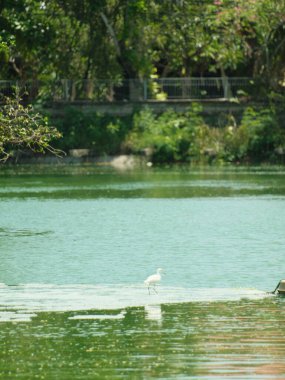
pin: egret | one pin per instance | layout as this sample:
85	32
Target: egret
154	279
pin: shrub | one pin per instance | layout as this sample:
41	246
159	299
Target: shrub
256	139
21	128
169	136
177	137
101	133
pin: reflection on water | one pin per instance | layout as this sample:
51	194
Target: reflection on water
119	332
75	249
89	182
153	312
120	315
21	232
198	340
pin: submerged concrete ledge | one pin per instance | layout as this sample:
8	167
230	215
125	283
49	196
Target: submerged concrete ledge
78	157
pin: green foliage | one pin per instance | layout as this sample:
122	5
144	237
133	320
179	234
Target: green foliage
3	49
57	39
102	134
163	135
172	137
258	137
123	39
22	128
167	137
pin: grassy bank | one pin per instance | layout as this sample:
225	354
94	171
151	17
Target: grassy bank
257	136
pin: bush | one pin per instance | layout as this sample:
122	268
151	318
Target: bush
102	134
256	139
168	135
173	137
162	135
21	128
176	137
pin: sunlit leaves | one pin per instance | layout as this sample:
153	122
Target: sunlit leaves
119	38
21	128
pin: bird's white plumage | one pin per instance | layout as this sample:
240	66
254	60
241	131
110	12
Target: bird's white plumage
154	279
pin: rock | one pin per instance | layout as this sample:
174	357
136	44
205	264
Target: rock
279	150
78	153
123	162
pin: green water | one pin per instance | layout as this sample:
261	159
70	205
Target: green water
76	244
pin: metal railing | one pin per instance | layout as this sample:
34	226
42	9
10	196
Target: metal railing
131	90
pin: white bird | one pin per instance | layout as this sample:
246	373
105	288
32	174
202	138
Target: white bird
154	279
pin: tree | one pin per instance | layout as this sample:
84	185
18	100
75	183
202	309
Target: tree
269	47
119	39
22	128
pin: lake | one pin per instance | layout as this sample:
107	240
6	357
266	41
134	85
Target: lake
77	242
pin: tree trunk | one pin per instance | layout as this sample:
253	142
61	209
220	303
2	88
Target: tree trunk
226	85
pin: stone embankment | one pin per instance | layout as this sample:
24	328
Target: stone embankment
84	156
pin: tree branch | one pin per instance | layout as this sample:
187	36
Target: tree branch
112	33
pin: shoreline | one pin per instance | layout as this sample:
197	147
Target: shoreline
120	161
123	162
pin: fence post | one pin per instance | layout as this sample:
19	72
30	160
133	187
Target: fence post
17	88
145	89
65	89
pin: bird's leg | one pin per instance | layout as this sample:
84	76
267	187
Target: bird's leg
148	290
154	288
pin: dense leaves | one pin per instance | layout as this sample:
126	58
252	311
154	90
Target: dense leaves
169	137
256	136
118	39
23	128
101	134
134	39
